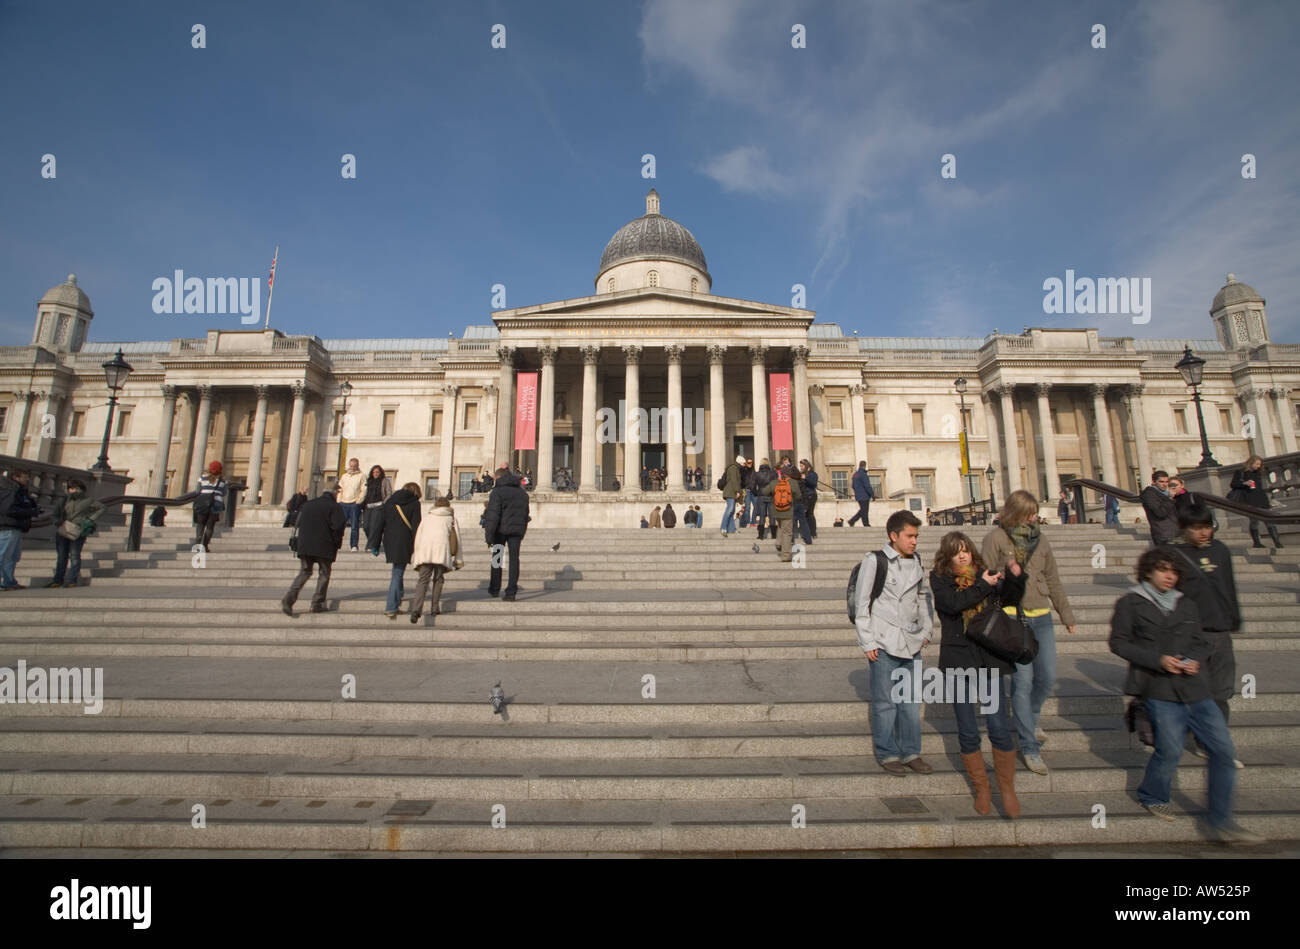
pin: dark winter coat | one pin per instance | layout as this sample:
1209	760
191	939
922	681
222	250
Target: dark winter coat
1141	632
689	518
1162	514
731	481
862	486
1256	496
810	489
507	510
1210	584
955	650
764	476
670	516
320	527
391	530
16	506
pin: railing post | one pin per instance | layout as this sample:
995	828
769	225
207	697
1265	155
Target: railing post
136	528
1079	504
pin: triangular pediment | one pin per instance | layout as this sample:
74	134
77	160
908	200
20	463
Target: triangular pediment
650	303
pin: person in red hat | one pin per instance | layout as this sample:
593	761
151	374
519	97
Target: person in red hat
209	505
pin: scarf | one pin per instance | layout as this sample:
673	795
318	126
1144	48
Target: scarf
374	490
1025	539
1166	600
965	579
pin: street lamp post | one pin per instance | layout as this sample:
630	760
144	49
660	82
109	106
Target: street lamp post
1191	368
346	390
960	386
115	373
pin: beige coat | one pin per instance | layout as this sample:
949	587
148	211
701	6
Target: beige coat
437	541
352	487
1044	589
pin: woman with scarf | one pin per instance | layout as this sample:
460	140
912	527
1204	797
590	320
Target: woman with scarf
378	488
964	588
1018	537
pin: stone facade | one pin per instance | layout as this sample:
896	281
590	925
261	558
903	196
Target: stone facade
1040	406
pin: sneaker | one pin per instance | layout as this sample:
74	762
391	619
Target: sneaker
392	615
1040	736
1162	811
415	617
509	597
1035	764
320	609
53	583
1233	833
919	765
354	550
894	766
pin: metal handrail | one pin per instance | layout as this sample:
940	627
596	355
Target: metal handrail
135	528
1212	500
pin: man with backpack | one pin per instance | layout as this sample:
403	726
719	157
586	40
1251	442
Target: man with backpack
780	491
894	616
729	485
863	494
764	476
209	505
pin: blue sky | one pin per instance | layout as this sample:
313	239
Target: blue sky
819	166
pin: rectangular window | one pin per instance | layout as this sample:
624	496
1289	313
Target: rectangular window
923	481
918	421
1225	420
835	413
435	423
870	417
4	416
877	479
976	486
336	424
840	482
124	422
471	416
1180	421
76	424
390	420
430	485
465	485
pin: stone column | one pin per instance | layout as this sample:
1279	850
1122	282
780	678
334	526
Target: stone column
198	461
631	405
1049	439
49	409
1010	476
675	446
718	455
1140	434
991	426
446	481
589	416
157	484
295	441
802	413
858	409
23	405
505	408
255	450
1286	417
186	448
1257	405
758	382
546	420
1105	446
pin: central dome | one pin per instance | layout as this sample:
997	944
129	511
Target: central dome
652	237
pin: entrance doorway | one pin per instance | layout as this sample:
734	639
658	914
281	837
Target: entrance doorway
654	456
742	445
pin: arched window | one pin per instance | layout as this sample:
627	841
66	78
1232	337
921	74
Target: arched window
652	278
695	284
609	287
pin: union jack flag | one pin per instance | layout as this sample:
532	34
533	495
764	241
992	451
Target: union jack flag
270	281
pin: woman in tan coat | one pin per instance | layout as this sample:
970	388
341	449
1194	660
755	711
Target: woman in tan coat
655	519
437	550
1019	538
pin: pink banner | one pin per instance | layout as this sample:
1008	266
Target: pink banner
526	411
778	387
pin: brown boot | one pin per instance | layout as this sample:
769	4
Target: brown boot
1004	766
979	777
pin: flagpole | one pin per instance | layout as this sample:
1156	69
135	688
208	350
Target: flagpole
271	293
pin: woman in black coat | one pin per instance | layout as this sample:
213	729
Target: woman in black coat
1248	488
395	527
964	589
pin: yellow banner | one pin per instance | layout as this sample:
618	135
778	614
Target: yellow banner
965	456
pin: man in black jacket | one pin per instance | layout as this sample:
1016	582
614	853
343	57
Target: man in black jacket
763	503
504	526
1162	513
17	510
320	535
1208	582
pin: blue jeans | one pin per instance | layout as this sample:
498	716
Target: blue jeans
729	517
11	548
352	514
895	728
968	728
1112	517
748	511
68	554
1170	721
1032	684
801	522
396	588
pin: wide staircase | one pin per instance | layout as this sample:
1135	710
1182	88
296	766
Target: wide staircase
752	735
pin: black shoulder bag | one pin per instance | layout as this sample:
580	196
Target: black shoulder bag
1009	638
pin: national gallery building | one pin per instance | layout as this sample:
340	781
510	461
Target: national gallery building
1040	407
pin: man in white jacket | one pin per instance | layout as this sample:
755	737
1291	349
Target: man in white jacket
352	491
892	631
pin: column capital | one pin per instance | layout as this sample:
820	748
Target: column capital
168	391
1135	388
506	356
1006	390
490	389
299	390
1042	388
717	354
590	355
816	389
986	396
758	354
548	354
205	391
449	391
800	355
675	353
632	354
858	389
261	392
1280	392
1098	390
